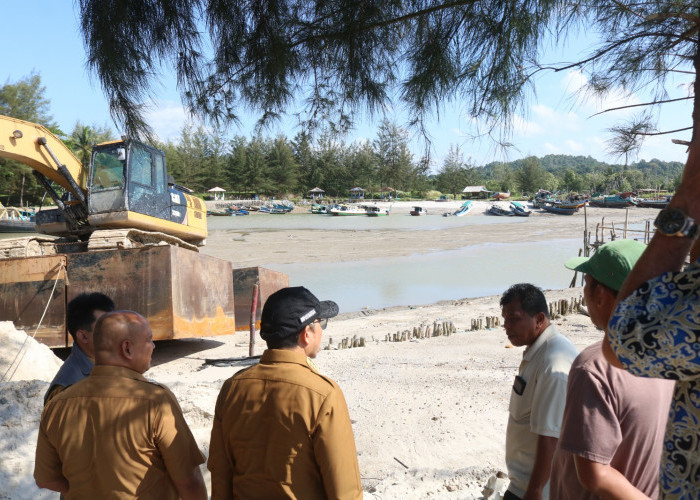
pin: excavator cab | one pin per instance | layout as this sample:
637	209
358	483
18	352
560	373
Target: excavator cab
128	188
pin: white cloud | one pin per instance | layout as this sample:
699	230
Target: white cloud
525	128
166	118
574	146
550	148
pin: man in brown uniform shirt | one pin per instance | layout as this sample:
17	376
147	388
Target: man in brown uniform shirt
115	434
281	429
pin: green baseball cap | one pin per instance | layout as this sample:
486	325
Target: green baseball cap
611	263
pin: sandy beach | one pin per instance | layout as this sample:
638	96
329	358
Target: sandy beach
429	414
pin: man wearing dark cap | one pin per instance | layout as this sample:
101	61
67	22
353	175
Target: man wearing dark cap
281	429
613	427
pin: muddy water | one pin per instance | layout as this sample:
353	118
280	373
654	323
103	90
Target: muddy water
473	271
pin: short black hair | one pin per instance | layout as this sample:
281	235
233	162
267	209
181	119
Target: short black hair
283	342
531	298
80	312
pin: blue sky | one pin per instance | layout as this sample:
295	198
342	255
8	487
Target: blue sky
42	36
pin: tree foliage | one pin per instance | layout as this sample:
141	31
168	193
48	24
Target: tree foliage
331	60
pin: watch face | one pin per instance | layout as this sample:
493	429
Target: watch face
670	221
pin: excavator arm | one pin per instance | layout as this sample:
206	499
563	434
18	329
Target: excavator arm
35	146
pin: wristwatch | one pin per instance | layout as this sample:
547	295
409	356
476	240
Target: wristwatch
673	222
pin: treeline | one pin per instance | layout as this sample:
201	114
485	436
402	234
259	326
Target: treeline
202	159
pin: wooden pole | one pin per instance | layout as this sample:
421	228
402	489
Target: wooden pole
253	317
624	233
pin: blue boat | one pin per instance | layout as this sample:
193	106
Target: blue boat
555	209
462	210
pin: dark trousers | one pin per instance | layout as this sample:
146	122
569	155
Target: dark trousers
508	495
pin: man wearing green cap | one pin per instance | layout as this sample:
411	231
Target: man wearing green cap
613	426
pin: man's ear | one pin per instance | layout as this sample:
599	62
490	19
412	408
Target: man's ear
82	335
125	348
305	336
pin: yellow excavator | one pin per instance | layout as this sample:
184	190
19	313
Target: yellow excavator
124	228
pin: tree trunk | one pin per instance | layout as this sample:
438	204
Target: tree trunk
21	192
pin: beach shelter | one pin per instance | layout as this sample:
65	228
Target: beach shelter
217	192
471	191
388	190
357	193
316	193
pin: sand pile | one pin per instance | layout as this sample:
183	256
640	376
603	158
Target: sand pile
23	358
26	368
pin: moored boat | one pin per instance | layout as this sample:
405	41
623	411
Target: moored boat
419	211
345	210
556	209
16	220
375	211
623	200
519	209
317	208
498	210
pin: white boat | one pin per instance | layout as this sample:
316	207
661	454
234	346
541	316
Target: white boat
419	211
347	210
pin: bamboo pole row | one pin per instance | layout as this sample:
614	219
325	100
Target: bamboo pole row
437	329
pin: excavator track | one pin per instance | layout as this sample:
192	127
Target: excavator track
104	239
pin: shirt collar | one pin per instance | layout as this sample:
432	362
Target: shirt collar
83	361
116	371
284	356
547	334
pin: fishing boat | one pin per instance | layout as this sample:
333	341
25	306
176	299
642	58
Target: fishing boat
236	210
375	211
16	220
462	210
217	213
498	210
317	208
345	210
649	203
498	196
623	200
519	209
416	211
556	209
575	204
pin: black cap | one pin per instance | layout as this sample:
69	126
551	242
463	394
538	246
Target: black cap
289	310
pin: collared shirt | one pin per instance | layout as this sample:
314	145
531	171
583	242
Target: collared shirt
655	332
76	367
538	410
115	435
282	430
611	418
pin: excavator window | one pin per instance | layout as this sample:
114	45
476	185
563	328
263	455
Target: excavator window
108	169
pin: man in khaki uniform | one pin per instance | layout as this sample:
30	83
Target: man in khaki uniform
114	433
281	429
